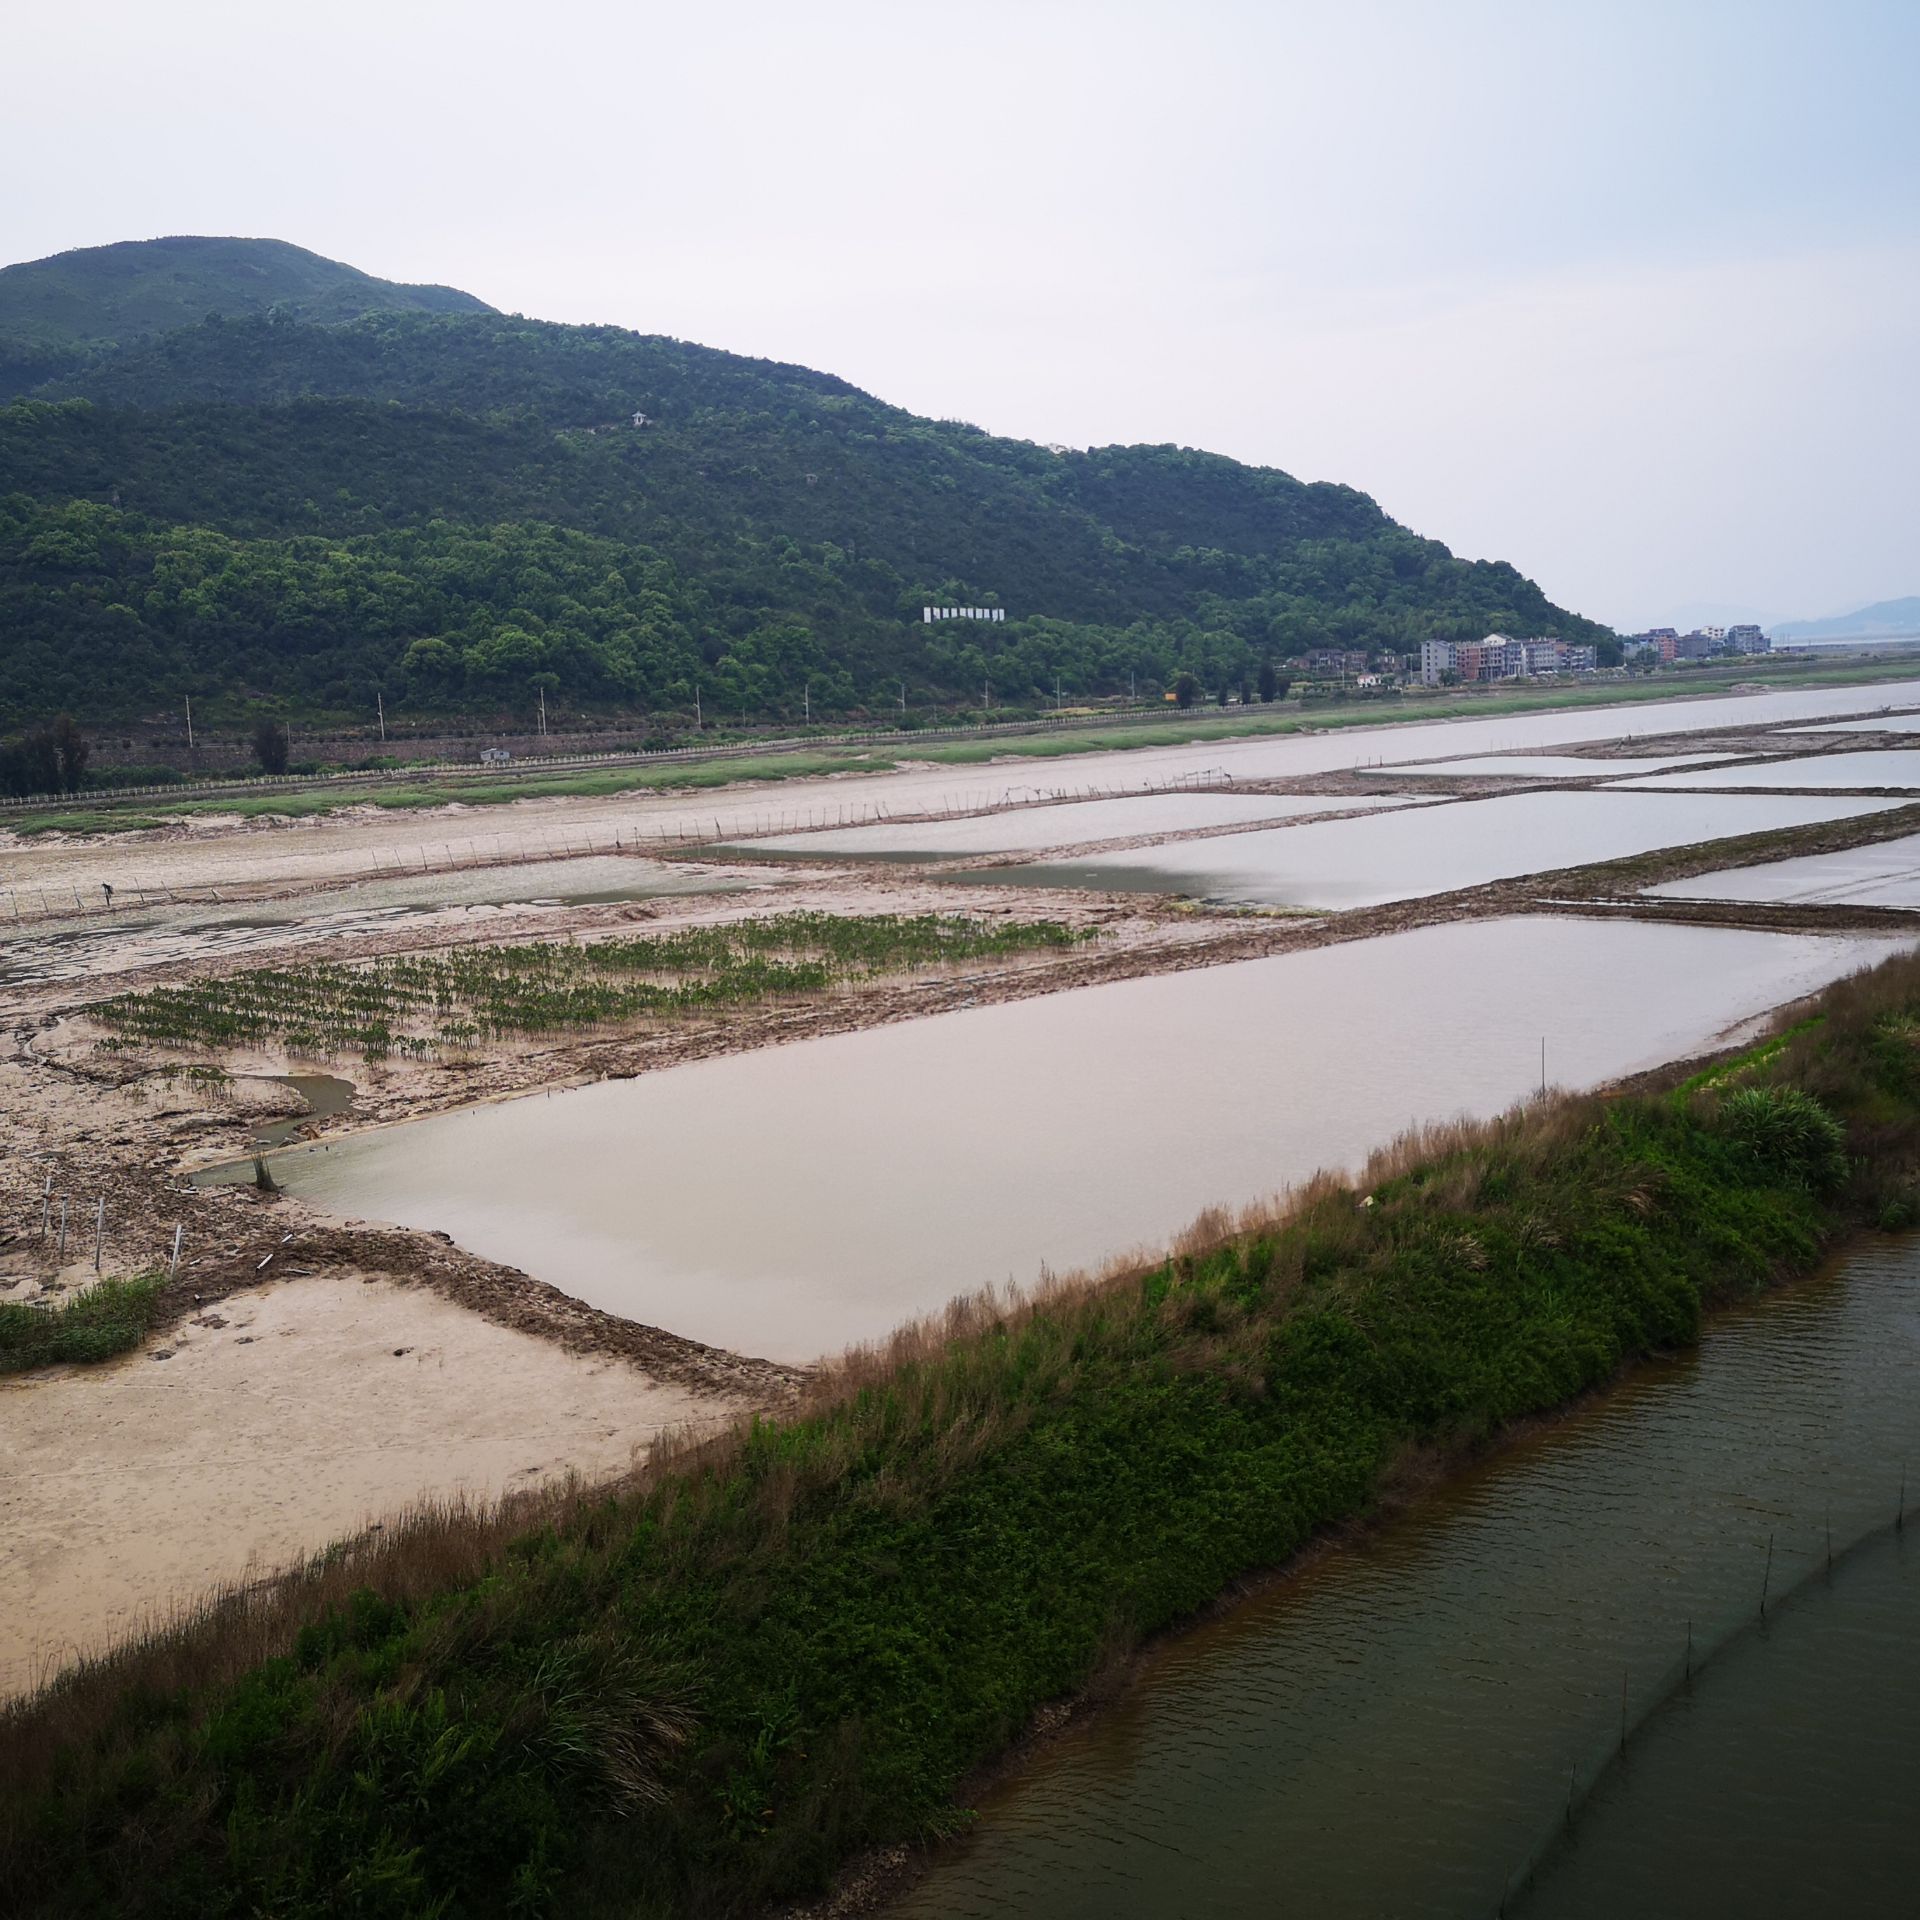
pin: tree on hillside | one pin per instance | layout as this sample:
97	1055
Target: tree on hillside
270	745
1186	689
30	764
72	750
1269	683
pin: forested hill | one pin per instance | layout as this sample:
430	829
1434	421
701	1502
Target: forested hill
457	510
58	314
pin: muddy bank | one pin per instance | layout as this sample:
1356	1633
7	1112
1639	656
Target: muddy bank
259	1427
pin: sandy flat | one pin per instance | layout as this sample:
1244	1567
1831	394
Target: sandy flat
126	1488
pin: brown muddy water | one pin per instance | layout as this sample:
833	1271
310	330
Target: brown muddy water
1884	874
790	1201
1033	828
1857	772
1411	853
1395	1730
1550	766
1881	723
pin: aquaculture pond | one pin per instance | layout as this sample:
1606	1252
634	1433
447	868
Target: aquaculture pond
1875	723
1550	766
1884	874
1408	854
1026	829
1403	1726
793	1200
1858	772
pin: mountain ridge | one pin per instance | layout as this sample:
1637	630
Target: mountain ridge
58	313
467	510
1887	619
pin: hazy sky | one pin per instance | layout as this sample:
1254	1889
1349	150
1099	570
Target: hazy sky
1627	294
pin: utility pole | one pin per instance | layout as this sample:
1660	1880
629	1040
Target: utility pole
543	713
380	707
189	723
699	725
903	699
806	698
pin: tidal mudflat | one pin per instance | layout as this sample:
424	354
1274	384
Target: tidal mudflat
791	1201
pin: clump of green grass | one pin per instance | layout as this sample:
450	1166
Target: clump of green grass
93	821
420	1006
104	1319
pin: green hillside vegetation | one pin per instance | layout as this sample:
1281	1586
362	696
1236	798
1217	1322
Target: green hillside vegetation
455	511
58	314
703	1690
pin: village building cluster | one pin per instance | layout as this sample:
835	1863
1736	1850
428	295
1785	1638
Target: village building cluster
1500	657
1703	643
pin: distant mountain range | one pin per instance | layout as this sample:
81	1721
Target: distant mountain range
249	474
1884	620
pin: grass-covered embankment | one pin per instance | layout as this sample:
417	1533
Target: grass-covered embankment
104	1319
696	1693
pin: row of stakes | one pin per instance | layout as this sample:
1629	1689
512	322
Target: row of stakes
57	1231
756	826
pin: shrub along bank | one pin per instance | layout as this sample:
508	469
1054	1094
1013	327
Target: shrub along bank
104	1319
700	1692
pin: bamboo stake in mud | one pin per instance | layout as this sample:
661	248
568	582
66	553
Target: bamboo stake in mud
99	1229
63	1229
173	1265
46	1207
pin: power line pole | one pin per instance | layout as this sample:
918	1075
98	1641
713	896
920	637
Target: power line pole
903	699
189	723
543	713
806	696
698	724
380	707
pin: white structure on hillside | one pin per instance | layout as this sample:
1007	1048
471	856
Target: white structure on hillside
928	615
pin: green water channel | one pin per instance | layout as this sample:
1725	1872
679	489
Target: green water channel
1428	1720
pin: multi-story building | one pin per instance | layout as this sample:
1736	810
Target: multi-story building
1500	657
1746	640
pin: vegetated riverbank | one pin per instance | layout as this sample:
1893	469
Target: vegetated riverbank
709	1687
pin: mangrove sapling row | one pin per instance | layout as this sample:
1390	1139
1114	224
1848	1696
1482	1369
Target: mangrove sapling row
421	1005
